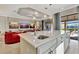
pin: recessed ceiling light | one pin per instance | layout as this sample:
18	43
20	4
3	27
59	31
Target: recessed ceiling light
34	18
45	16
36	13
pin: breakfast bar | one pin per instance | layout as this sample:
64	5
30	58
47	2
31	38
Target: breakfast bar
42	42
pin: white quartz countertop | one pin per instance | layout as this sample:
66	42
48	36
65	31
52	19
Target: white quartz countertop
34	41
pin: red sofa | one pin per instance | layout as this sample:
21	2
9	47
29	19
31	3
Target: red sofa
12	37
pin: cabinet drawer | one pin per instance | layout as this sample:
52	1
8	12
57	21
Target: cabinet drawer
46	46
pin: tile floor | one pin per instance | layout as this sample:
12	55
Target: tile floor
73	48
8	49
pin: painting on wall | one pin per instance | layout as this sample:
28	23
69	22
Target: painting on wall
13	25
24	25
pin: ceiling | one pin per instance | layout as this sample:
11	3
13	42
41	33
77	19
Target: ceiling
48	9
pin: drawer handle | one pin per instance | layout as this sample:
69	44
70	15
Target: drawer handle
50	52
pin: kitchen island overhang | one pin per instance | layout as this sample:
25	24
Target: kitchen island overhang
41	45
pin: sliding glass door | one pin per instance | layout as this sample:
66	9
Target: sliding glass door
73	27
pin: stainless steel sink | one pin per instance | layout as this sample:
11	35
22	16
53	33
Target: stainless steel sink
41	37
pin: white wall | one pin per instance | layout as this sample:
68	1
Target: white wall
3	24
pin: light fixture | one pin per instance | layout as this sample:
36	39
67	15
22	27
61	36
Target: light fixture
36	13
45	16
32	24
34	18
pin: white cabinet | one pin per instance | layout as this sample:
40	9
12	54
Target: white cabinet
65	39
60	49
50	52
66	42
47	46
47	52
57	45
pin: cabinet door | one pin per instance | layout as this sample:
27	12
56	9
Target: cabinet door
60	49
66	42
47	52
46	46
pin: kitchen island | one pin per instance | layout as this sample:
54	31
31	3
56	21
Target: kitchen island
42	42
